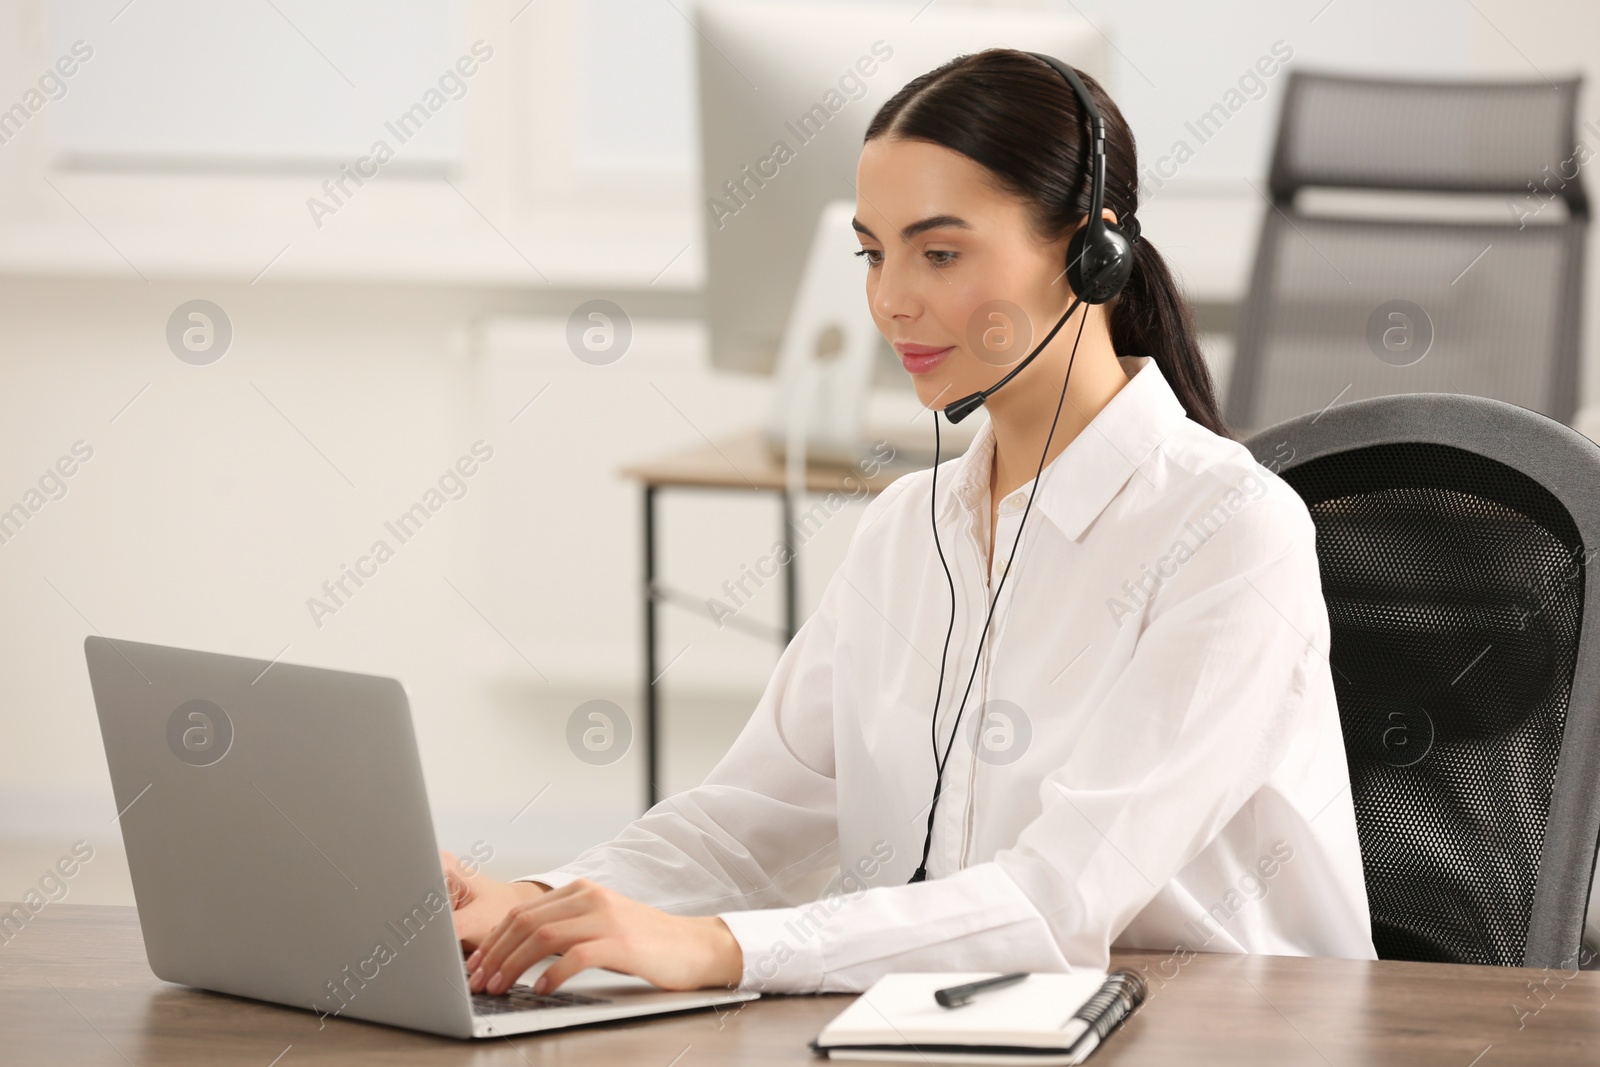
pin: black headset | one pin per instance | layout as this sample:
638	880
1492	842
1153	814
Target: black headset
1099	262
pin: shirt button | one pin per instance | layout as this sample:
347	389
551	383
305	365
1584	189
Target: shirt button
1014	502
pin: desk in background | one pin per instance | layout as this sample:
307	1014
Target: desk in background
75	988
740	463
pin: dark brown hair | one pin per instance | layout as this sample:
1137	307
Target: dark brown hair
1016	116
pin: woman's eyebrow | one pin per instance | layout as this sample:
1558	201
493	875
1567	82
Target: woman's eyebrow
932	222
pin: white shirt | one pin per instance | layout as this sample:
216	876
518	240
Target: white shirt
1160	764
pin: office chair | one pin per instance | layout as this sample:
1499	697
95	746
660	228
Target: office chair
1453	534
1433	293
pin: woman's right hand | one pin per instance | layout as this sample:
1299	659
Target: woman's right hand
478	902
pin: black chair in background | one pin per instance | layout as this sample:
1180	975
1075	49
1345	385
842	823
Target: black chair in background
1453	534
1346	300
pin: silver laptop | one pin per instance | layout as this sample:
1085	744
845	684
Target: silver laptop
281	848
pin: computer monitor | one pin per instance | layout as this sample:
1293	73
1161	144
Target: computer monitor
786	92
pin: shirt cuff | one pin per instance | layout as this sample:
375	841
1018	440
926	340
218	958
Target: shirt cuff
782	950
553	879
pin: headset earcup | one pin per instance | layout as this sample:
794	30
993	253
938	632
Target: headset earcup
1098	270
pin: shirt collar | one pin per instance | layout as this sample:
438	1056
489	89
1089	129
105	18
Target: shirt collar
1079	483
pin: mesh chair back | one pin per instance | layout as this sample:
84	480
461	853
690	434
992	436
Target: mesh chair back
1447	136
1343	308
1453	534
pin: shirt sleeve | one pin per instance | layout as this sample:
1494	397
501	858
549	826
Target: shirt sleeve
1202	712
761	830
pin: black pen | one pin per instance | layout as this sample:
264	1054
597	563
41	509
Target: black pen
957	995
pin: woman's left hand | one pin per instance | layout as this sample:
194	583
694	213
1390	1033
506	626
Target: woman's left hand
592	926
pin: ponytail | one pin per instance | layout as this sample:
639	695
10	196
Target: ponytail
1151	318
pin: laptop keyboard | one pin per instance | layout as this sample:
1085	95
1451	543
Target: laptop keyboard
522	998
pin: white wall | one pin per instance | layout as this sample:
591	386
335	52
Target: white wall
1552	39
204	519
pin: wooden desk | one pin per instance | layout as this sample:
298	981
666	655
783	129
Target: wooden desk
75	988
741	463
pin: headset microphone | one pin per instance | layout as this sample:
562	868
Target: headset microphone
1099	261
960	409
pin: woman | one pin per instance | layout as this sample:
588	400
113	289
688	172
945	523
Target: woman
1152	754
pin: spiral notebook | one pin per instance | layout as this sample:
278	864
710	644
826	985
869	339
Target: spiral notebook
1044	1019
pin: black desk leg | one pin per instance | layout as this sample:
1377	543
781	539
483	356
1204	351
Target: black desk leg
652	769
791	572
